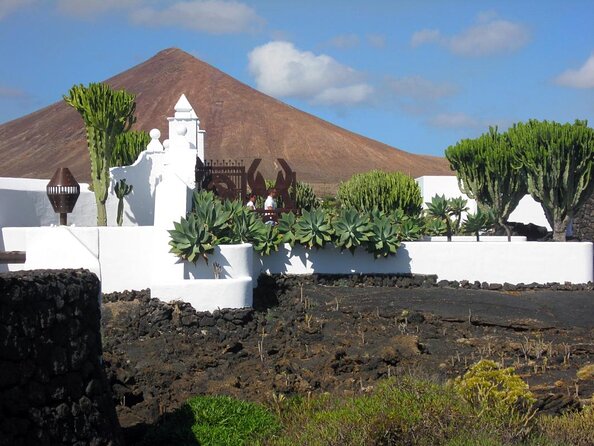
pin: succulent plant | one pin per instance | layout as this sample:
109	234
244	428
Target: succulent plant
190	239
409	230
480	221
286	227
351	230
383	190
384	239
121	189
313	229
439	207
435	227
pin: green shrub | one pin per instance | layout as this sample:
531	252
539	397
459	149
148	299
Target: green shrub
500	394
402	411
214	421
576	429
385	191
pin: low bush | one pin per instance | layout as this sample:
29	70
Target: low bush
385	191
576	429
480	408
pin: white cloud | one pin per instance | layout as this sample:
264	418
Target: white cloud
344	41
282	70
376	40
349	95
581	78
489	36
454	120
425	36
211	16
91	8
420	88
7	7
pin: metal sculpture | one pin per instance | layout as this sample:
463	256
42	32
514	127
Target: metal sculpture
63	191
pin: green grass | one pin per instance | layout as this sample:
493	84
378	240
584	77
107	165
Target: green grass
399	412
214	421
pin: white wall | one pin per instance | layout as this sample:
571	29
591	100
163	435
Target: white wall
527	211
493	262
135	258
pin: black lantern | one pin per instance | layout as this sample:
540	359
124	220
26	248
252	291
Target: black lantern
63	191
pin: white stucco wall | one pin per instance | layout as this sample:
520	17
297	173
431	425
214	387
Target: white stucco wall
493	262
135	258
527	211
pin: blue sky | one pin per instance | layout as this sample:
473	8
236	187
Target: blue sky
418	75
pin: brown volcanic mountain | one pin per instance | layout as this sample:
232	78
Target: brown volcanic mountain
240	122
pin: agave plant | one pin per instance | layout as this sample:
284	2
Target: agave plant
458	206
435	227
480	221
191	240
384	239
409	230
351	230
439	207
213	215
244	226
286	228
313	229
266	238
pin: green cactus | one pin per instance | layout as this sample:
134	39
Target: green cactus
106	113
558	161
121	189
385	191
128	146
486	170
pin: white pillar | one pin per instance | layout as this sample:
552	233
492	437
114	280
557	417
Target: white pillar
184	114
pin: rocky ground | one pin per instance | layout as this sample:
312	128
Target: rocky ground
341	335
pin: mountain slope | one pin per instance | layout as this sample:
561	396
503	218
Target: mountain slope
240	122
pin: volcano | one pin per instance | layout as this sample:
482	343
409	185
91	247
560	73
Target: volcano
240	123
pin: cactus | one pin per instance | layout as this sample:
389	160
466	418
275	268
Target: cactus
558	161
385	191
106	114
128	146
121	189
487	171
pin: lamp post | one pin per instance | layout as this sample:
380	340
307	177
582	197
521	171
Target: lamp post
63	191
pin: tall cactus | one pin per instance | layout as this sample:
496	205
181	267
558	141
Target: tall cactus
558	160
385	191
106	113
486	171
128	146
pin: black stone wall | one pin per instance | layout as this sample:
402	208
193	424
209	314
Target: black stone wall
53	389
583	223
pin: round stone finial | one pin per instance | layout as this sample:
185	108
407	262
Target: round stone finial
155	134
181	130
166	144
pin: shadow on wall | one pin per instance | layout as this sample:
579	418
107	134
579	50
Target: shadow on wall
140	204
